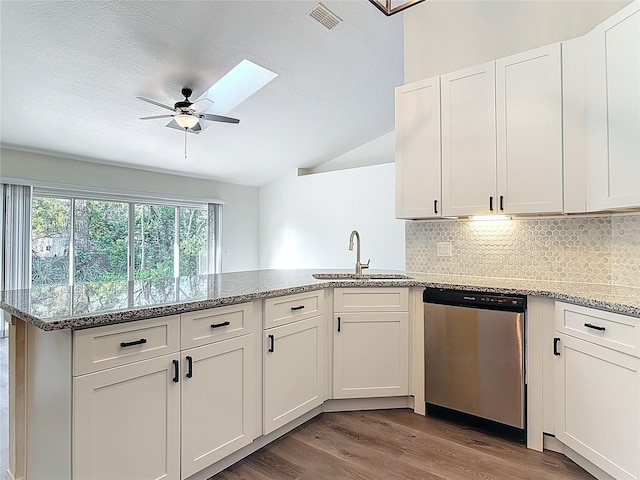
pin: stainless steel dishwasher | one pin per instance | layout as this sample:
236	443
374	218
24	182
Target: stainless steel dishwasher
474	356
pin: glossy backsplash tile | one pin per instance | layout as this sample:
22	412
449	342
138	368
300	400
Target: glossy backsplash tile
604	249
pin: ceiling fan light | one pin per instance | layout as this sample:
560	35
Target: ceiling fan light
186	121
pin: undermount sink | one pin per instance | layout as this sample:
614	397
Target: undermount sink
364	276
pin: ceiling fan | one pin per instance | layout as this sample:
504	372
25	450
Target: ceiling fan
188	114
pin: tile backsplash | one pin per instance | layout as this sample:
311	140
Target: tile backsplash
602	249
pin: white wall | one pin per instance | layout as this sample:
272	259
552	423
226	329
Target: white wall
442	36
240	211
305	221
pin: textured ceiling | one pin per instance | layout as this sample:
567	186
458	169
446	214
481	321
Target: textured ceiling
71	72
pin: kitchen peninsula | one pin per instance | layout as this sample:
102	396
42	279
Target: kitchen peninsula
75	351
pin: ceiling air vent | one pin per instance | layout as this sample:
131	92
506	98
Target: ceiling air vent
324	16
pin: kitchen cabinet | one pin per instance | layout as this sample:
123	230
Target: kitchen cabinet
126	421
418	166
294	370
370	346
219	413
170	416
469	141
529	132
613	112
597	409
502	136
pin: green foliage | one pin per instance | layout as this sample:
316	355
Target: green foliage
101	240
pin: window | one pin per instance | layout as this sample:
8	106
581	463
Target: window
81	240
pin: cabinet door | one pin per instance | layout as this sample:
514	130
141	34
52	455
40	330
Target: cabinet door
219	411
126	422
598	405
371	354
529	131
469	141
613	109
418	150
294	372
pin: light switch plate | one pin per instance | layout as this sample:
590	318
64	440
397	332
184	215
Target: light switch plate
444	249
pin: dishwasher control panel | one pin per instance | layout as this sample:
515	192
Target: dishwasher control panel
466	298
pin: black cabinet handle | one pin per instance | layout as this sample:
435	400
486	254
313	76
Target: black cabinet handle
491	204
556	352
595	327
176	371
272	343
189	366
435	206
131	344
300	307
223	324
339	324
501	203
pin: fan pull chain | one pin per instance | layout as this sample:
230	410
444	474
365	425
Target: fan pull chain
185	143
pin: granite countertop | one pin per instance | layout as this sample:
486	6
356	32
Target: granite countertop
81	306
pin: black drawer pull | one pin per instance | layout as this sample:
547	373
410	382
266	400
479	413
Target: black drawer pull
176	371
142	341
556	352
491	204
339	324
501	203
223	324
272	344
189	366
435	206
300	307
595	327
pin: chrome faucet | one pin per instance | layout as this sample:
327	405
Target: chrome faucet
359	266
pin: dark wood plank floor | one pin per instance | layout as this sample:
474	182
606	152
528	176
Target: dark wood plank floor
397	445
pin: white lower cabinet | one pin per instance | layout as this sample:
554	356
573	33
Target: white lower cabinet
218	407
294	371
371	354
370	342
171	416
126	422
597	408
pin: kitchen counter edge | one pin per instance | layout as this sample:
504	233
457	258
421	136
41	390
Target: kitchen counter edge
617	299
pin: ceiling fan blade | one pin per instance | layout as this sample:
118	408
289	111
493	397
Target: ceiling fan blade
156	116
196	128
219	118
155	103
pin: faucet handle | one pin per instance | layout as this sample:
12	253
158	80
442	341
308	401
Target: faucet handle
366	265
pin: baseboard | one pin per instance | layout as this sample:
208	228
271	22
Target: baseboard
587	465
553	444
353	404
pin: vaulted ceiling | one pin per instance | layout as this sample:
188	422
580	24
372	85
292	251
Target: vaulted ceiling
71	72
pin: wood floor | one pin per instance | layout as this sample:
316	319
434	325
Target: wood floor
396	445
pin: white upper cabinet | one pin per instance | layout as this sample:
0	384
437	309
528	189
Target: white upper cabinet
529	131
613	109
469	141
418	150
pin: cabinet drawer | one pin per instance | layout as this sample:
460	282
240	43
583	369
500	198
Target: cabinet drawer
612	330
215	324
375	299
281	310
113	345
